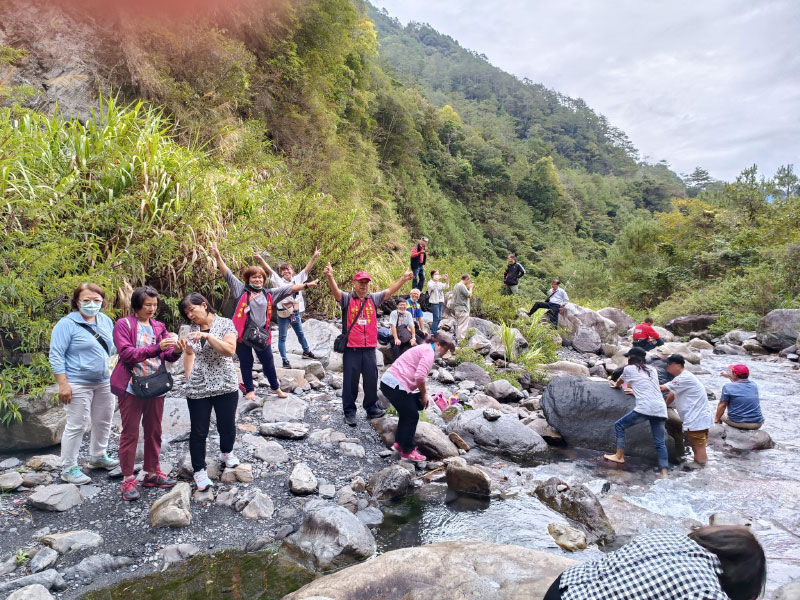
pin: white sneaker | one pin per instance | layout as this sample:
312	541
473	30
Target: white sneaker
202	481
229	458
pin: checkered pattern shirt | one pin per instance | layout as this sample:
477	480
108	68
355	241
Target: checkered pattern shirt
658	565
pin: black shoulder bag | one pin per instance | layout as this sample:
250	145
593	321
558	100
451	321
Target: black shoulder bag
254	336
154	385
340	343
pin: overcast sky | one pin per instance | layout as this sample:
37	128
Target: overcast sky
714	83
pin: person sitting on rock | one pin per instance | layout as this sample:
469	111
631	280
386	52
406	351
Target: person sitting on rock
642	382
713	563
403	384
403	330
644	336
415	310
554	304
691	401
740	399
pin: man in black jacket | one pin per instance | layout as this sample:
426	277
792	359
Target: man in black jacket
511	276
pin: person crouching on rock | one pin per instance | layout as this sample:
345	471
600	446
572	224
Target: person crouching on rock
252	317
212	383
650	406
645	337
144	345
713	563
404	386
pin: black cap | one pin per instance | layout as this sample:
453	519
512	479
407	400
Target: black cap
676	358
636	351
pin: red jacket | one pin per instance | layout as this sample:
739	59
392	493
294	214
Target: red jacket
644	331
365	332
129	354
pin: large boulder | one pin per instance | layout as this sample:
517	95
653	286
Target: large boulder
330	537
684	350
506	435
587	340
431	441
390	483
492	332
469	371
574	317
319	335
480	343
622	319
682	326
746	439
31	592
578	504
467	479
457	570
43	422
503	391
584	412
779	328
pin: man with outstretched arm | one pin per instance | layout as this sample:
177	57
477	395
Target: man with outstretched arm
360	323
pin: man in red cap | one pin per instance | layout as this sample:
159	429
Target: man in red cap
740	398
360	323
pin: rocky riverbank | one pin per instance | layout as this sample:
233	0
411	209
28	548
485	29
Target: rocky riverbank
314	487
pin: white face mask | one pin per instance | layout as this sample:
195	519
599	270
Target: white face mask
436	277
90	308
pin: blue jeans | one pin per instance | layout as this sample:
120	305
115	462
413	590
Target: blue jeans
436	309
419	278
283	330
657	428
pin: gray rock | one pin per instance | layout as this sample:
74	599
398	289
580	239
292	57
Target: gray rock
679	348
10	463
503	391
285	430
330	537
92	566
44	559
243	472
42	423
683	326
753	347
587	340
227	497
599	370
549	435
563	368
790	591
468	371
352	449
173	509
271	453
584	412
57	497
787	352
31	592
280	410
737	336
446	376
621	319
49	579
370	516
728	518
506	436
575	317
258	506
327	491
8	564
431	441
258	543
175	553
729	349
319	336
44	462
747	439
579	505
698	344
779	328
491	414
480	343
347	499
204	496
569	538
302	481
467	479
73	540
35	479
390	483
10	481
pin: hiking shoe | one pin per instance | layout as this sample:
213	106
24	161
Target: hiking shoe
229	458
75	475
350	420
287	364
376	414
158	480
129	490
308	354
201	480
103	462
413	456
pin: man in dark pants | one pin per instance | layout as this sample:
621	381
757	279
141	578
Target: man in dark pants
554	304
418	256
511	276
644	336
359	360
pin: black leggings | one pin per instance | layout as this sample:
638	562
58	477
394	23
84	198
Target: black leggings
554	593
408	411
224	407
552	311
245	354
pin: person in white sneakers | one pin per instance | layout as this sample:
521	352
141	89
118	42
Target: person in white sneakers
213	383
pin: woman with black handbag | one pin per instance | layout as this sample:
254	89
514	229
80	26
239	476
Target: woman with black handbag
140	381
251	317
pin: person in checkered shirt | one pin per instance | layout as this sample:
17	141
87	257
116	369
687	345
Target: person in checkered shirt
711	563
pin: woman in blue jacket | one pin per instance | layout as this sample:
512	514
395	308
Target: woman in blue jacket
80	346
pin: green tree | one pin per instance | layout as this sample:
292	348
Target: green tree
786	180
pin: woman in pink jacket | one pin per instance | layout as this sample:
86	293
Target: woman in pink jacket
143	345
404	386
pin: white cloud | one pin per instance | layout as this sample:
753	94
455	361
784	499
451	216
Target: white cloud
714	83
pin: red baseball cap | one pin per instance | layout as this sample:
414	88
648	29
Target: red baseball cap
739	370
362	275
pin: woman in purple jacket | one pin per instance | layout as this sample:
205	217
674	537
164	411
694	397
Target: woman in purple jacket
143	345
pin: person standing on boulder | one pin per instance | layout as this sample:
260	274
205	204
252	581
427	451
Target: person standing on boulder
418	257
462	293
404	386
511	276
360	322
554	304
740	399
645	337
691	401
436	289
642	382
80	346
403	333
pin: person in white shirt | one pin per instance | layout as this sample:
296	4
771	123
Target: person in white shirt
642	382
436	289
554	304
691	401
